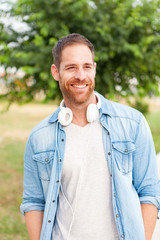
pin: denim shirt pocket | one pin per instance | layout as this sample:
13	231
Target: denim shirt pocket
44	163
123	155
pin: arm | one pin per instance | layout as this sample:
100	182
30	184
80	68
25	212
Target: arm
145	177
33	196
34	221
149	213
145	169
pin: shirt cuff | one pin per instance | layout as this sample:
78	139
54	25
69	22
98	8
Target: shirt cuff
151	200
26	207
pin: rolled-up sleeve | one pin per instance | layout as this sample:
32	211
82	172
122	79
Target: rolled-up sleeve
145	168
33	196
28	206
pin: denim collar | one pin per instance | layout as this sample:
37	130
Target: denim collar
106	109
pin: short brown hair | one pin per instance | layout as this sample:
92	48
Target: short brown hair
71	39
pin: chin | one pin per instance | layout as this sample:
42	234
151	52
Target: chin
75	97
81	98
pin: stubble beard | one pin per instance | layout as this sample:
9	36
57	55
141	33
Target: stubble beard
72	96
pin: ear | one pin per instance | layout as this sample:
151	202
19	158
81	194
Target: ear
55	72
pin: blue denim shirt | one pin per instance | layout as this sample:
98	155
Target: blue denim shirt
130	155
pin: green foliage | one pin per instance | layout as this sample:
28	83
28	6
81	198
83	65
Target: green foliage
126	37
141	105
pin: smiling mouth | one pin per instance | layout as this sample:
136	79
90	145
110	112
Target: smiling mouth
79	86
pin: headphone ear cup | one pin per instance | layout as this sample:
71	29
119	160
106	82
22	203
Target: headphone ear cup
92	113
65	116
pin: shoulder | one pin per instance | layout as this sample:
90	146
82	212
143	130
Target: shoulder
45	124
43	136
118	110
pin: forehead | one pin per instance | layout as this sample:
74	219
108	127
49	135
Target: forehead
76	53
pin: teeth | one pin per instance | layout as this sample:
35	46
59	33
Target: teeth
79	86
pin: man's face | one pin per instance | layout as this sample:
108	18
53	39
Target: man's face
76	74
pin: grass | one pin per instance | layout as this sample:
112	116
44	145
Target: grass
12	224
15	126
153	119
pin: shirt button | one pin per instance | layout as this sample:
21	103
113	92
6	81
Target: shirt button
57	181
122	235
109	153
108	133
49	221
126	150
62	140
53	201
60	160
117	215
46	160
110	175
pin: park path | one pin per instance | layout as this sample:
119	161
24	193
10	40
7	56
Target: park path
156	235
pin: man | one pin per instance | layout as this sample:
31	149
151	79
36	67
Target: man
90	168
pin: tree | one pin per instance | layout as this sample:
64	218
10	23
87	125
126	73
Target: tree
126	36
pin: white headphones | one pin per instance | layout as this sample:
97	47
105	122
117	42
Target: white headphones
65	115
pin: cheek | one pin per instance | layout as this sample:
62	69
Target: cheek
67	76
92	76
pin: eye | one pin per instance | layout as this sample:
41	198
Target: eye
88	67
71	68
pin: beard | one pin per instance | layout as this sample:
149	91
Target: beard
74	97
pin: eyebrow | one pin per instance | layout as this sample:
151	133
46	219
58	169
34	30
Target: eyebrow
89	64
73	65
69	65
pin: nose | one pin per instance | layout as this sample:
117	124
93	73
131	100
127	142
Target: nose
80	74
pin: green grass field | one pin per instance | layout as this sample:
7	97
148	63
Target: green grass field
15	126
153	119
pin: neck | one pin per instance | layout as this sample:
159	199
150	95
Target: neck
80	111
79	116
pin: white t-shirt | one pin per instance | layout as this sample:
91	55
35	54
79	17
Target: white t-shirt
85	210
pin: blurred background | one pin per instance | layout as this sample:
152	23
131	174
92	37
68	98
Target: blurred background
126	36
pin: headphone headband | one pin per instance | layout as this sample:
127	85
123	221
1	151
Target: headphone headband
65	115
